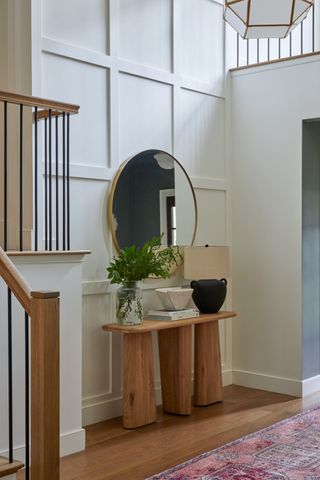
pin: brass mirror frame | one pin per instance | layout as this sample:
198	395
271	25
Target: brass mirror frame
114	186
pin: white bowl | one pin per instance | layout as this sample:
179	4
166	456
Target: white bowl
174	298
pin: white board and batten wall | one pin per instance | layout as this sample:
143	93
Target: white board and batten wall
276	336
146	75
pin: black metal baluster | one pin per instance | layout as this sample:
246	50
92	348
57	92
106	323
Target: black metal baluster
21	180
50	180
279	48
57	183
238	48
46	183
10	387
36	178
268	49
68	181
5	176
64	181
27	397
290	45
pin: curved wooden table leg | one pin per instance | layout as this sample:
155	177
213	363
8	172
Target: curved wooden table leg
175	368
139	406
207	364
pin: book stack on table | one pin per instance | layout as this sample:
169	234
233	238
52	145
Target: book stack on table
172	314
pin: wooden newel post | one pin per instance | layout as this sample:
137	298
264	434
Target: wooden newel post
45	386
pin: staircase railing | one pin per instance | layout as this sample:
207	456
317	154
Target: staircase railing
41	323
35	141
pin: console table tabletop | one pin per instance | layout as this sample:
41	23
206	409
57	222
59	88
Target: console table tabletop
154	325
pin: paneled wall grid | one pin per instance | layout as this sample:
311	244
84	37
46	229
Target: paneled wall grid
146	75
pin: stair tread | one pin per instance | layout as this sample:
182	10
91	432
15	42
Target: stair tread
7	468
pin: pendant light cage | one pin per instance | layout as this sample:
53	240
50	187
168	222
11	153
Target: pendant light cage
265	18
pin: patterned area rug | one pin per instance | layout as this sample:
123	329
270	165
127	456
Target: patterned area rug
288	450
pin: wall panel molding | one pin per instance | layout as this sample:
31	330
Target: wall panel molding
97	59
206	183
74	52
92	172
202	87
104	287
137	115
114	27
87	172
97	287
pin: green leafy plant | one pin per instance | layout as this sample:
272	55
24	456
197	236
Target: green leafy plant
134	263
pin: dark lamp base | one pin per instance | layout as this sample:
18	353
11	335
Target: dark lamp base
209	295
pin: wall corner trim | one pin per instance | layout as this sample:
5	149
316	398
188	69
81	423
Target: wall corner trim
310	385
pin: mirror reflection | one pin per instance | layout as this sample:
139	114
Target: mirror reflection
151	196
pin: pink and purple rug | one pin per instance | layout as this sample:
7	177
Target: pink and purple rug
288	450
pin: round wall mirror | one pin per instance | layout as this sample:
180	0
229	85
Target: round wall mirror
152	195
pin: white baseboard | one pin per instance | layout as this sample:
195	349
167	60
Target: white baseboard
71	442
227	377
100	408
310	385
266	382
103	407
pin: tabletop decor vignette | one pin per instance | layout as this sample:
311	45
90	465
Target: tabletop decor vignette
134	264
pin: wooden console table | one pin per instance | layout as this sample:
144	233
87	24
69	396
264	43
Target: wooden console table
175	352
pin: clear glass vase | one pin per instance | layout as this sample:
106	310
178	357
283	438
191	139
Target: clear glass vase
129	304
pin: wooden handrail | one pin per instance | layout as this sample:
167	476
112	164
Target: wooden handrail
43	114
275	60
30	101
15	282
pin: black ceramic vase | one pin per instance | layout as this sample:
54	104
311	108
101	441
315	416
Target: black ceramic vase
209	295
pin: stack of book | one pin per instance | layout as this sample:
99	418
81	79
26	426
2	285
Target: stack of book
172	314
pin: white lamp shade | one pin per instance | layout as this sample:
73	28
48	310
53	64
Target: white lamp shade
201	263
265	18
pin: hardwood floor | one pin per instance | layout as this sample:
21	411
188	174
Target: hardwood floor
114	453
118	454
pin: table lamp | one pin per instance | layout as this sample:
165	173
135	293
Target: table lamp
207	268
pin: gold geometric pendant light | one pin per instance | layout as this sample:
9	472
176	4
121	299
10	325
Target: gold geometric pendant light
265	18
